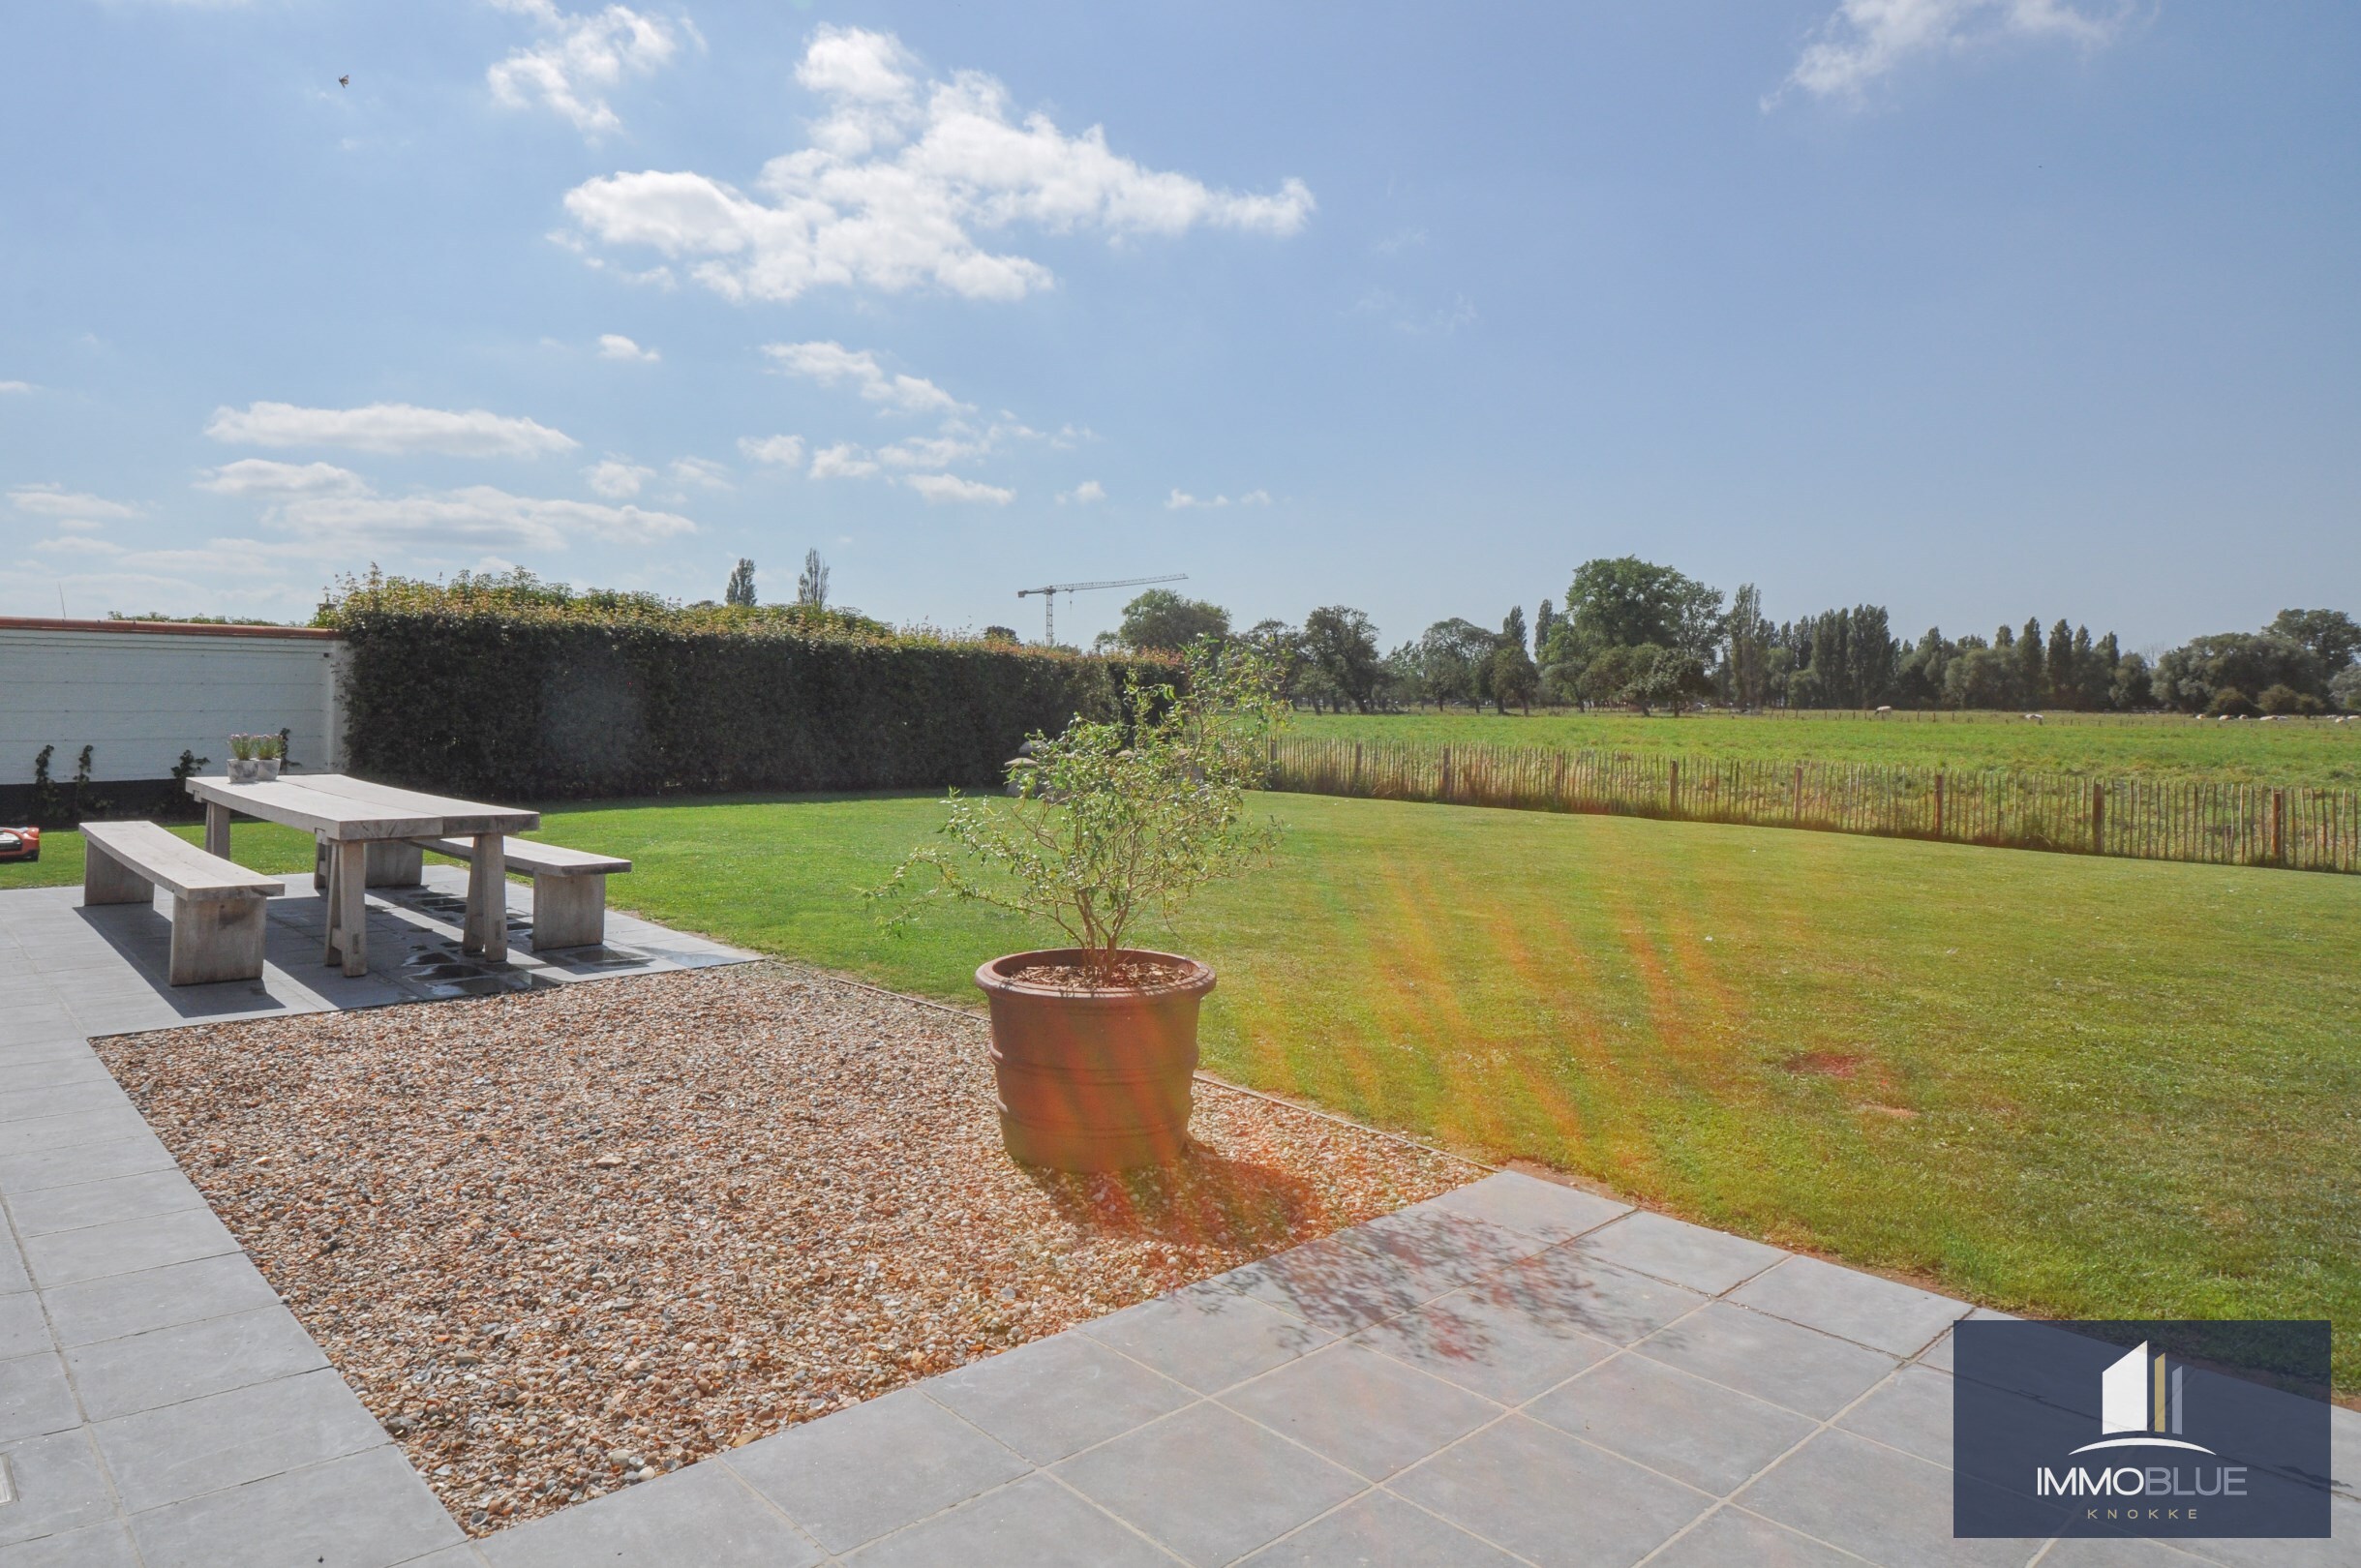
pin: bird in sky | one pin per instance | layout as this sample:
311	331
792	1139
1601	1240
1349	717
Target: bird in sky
344	81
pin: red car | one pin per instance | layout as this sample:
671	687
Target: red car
19	843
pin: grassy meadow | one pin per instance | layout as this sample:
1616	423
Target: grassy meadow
2312	752
2050	1083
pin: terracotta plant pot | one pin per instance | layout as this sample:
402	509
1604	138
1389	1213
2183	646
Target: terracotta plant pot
1095	1079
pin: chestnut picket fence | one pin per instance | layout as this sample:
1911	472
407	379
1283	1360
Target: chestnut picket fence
2217	823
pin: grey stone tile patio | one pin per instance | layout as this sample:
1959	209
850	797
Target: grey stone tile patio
1514	1372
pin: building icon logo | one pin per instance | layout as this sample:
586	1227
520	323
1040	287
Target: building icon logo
2139	1405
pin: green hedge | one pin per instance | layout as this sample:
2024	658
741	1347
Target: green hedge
539	700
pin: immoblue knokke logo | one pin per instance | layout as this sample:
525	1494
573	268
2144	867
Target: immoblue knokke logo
2136	1396
2140	1406
2198	1428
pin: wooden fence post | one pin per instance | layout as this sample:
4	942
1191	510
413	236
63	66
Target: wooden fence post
1672	787
2098	818
1356	768
1799	806
1445	791
2279	827
1938	805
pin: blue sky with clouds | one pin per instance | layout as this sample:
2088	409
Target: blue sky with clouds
1974	307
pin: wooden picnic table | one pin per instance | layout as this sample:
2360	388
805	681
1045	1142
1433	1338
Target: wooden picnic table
350	814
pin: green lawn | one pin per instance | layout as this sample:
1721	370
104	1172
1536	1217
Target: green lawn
2068	1085
2312	752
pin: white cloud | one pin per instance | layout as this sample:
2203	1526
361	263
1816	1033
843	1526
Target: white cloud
833	363
1084	493
76	545
786	451
616	479
938	488
49	501
900	176
842	461
615	345
1863	39
1180	500
16	386
479	517
260	476
579	59
1256	497
689	470
388	427
935	451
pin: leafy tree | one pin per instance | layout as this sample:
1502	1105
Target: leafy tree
1983	677
2332	635
1545	620
2065	674
1452	654
2130	686
2188	677
2344	691
740	587
1340	645
1161	621
1515	678
1283	647
1626	602
2286	699
1120	818
1919	677
811	587
2031	674
1747	642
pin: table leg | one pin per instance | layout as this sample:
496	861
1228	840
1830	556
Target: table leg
217	828
347	906
487	927
328	879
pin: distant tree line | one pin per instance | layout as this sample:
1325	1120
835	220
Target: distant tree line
1635	634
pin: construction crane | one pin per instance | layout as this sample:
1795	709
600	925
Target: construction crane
1052	591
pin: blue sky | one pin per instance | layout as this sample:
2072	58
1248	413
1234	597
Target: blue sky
1979	309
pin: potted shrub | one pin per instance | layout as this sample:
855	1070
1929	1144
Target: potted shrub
270	754
1114	821
244	764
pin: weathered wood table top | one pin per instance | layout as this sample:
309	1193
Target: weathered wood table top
350	814
345	809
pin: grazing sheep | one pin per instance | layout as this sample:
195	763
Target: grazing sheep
2036	719
1884	708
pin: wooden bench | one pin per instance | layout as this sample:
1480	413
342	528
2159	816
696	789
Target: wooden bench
218	909
570	887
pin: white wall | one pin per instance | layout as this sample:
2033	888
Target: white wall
140	697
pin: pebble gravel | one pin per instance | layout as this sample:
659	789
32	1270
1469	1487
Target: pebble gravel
564	1241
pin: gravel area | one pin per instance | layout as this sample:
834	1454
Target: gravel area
566	1240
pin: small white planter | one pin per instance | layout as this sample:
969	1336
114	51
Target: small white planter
266	770
245	769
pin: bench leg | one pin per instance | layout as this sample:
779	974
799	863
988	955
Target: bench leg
106	880
393	863
487	928
217	939
320	862
347	906
217	830
569	912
